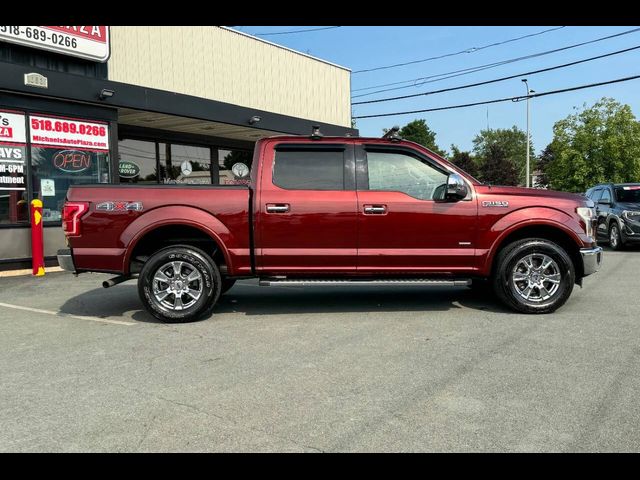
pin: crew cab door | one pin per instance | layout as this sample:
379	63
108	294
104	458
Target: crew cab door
306	209
404	224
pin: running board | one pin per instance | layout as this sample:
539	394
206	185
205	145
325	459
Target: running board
442	282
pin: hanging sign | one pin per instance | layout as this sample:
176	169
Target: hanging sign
88	42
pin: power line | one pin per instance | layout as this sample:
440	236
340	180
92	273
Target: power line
483	67
293	31
466	50
498	100
470	85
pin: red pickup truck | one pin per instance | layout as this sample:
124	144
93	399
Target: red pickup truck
326	211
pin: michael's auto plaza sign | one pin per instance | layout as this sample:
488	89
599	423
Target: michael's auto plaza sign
88	42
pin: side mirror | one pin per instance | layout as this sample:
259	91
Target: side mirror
604	202
456	187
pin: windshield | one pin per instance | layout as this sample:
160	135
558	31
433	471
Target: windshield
629	194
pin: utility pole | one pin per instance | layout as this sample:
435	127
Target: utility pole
528	180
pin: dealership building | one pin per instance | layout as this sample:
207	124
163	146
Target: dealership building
147	105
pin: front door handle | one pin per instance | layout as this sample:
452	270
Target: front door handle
277	207
375	209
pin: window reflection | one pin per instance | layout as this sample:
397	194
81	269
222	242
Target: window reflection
137	161
226	160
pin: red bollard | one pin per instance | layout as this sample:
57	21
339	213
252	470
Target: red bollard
37	243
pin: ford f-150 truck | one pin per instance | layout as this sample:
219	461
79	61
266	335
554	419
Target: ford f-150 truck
332	210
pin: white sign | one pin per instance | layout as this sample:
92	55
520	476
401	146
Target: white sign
48	187
186	168
89	42
64	132
36	80
12	127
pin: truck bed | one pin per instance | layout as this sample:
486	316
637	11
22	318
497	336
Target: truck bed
110	232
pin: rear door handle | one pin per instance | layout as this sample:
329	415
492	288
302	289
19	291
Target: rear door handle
375	209
277	207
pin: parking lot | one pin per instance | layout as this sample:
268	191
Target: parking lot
320	369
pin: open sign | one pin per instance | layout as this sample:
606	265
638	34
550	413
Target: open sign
72	161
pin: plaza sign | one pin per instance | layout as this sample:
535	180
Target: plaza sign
88	42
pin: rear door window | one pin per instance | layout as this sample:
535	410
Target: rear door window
309	169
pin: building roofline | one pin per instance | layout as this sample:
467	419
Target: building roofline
284	48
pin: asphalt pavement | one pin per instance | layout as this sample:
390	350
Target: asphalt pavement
320	369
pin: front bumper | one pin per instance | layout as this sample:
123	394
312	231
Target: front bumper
65	260
591	259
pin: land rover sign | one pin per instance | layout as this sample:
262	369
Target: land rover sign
128	169
88	42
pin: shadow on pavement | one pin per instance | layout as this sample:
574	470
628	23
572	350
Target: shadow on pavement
118	301
251	299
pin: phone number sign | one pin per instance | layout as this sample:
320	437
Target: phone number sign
63	132
88	42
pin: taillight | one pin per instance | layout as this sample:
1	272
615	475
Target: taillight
71	213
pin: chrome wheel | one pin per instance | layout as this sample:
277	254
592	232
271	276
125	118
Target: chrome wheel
536	277
177	285
614	237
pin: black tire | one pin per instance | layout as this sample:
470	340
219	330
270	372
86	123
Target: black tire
615	237
192	262
511	265
227	284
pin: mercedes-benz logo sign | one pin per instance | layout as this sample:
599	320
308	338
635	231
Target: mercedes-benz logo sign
186	168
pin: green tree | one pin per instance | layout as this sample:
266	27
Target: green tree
497	168
418	131
237	156
512	141
464	160
598	144
541	167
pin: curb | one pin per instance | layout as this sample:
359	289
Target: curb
27	271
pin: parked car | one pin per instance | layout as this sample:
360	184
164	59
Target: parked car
617	212
332	211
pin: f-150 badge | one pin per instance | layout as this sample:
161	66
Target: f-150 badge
495	203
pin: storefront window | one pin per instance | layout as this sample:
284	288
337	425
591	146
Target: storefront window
137	161
167	163
14	207
185	164
55	169
227	159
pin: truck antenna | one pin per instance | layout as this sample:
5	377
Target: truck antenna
393	134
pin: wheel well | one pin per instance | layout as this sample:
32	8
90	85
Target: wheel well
169	235
610	221
549	233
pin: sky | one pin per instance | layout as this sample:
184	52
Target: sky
362	47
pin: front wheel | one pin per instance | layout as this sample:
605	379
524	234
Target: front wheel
534	276
615	239
179	284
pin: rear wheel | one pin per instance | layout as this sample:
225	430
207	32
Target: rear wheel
534	276
179	284
615	239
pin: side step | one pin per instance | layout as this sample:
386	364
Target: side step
442	282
